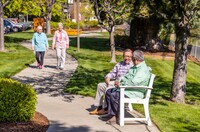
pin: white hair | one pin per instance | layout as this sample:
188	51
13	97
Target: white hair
60	24
39	27
138	55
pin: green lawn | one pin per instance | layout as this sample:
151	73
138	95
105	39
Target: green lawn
16	57
94	63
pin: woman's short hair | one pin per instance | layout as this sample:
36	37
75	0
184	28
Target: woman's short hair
60	24
138	55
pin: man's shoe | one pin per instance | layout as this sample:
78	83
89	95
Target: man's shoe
105	117
102	112
94	112
112	121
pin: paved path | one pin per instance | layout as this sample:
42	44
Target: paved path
66	112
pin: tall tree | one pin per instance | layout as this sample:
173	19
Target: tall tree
86	10
181	13
110	13
44	8
48	14
2	5
46	11
16	7
144	27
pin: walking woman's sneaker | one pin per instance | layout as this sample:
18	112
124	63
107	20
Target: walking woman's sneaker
40	67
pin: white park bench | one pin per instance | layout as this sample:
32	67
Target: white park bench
130	101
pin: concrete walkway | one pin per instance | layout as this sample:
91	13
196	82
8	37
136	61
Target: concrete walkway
66	112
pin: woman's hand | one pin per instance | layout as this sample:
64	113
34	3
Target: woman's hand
67	46
52	47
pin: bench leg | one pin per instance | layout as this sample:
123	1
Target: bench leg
130	107
147	116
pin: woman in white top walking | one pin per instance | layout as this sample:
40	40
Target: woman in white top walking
61	43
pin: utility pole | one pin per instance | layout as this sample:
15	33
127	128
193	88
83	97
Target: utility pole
78	35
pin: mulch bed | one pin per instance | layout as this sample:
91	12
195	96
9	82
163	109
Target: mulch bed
170	55
39	123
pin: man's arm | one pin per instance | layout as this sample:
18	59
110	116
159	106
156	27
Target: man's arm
107	81
113	73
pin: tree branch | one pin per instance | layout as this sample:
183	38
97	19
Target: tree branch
6	3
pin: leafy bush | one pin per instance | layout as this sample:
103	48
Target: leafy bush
17	101
54	24
122	41
73	25
93	23
67	24
70	24
165	31
81	24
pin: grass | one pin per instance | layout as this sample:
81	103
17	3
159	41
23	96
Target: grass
16	57
171	116
94	64
90	70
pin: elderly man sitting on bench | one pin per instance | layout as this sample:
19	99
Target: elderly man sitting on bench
138	75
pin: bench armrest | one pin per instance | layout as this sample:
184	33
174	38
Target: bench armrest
135	87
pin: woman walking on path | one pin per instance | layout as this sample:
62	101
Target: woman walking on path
39	45
61	43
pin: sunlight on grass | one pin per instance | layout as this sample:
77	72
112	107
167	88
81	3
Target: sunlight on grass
175	117
94	64
16	57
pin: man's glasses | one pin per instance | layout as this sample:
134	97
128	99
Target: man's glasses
126	56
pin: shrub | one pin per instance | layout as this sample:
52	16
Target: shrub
93	23
54	24
73	25
67	24
122	41
17	101
81	24
70	24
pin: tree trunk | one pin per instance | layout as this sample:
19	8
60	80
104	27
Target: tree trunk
48	19
112	45
1	29
178	90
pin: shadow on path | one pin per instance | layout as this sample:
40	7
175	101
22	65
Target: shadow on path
48	80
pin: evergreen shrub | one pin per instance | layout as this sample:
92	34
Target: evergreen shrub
17	101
